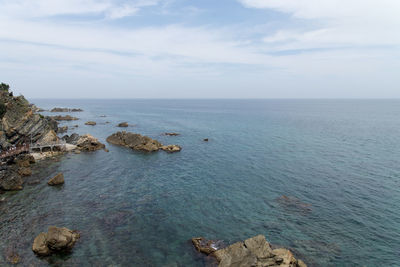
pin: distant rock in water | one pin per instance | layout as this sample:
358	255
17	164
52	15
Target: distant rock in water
123	124
66	110
92	123
64	118
55	240
171	134
139	142
255	251
205	139
56	180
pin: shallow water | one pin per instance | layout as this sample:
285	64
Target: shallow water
336	162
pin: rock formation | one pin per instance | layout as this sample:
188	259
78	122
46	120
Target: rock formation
12	173
139	142
62	129
171	134
64	118
55	240
89	143
255	251
66	110
56	180
92	123
123	124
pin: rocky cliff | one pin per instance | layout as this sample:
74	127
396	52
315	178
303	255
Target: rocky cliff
19	123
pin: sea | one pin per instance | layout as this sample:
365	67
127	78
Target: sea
319	177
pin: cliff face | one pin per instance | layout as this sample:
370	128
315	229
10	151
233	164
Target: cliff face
19	123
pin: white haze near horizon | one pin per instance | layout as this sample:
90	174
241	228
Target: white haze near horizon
202	49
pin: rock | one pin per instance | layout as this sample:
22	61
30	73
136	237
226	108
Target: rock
12	257
10	180
61	238
255	251
89	143
205	139
106	150
122	124
171	148
24	160
56	180
64	118
66	110
73	139
55	240
205	246
103	116
293	204
25	171
171	134
92	123
77	152
40	246
139	142
62	129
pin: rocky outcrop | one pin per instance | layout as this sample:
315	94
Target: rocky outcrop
64	118
66	110
56	180
20	124
255	251
12	174
139	142
205	246
62	129
92	123
89	143
55	240
123	124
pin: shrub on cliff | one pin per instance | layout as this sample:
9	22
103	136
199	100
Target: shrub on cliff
4	87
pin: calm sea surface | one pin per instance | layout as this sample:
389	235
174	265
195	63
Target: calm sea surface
336	162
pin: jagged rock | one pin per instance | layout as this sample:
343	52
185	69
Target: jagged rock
72	139
40	246
25	171
24	160
92	123
138	142
205	246
123	124
171	148
255	251
55	240
89	143
65	118
56	180
62	129
66	110
19	123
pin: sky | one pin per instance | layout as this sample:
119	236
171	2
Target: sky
201	48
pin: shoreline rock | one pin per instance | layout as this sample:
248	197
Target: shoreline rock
255	251
139	142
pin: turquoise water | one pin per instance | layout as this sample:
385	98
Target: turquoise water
336	161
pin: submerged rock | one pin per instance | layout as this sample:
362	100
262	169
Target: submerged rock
171	134
205	246
139	142
92	123
123	124
56	180
55	240
255	251
25	171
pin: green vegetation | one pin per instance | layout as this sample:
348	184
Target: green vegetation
4	87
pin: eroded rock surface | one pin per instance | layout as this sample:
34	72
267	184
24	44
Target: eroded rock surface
255	251
55	240
56	180
88	142
139	142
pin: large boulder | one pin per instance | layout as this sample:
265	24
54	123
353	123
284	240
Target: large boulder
56	180
255	251
138	142
89	143
55	240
